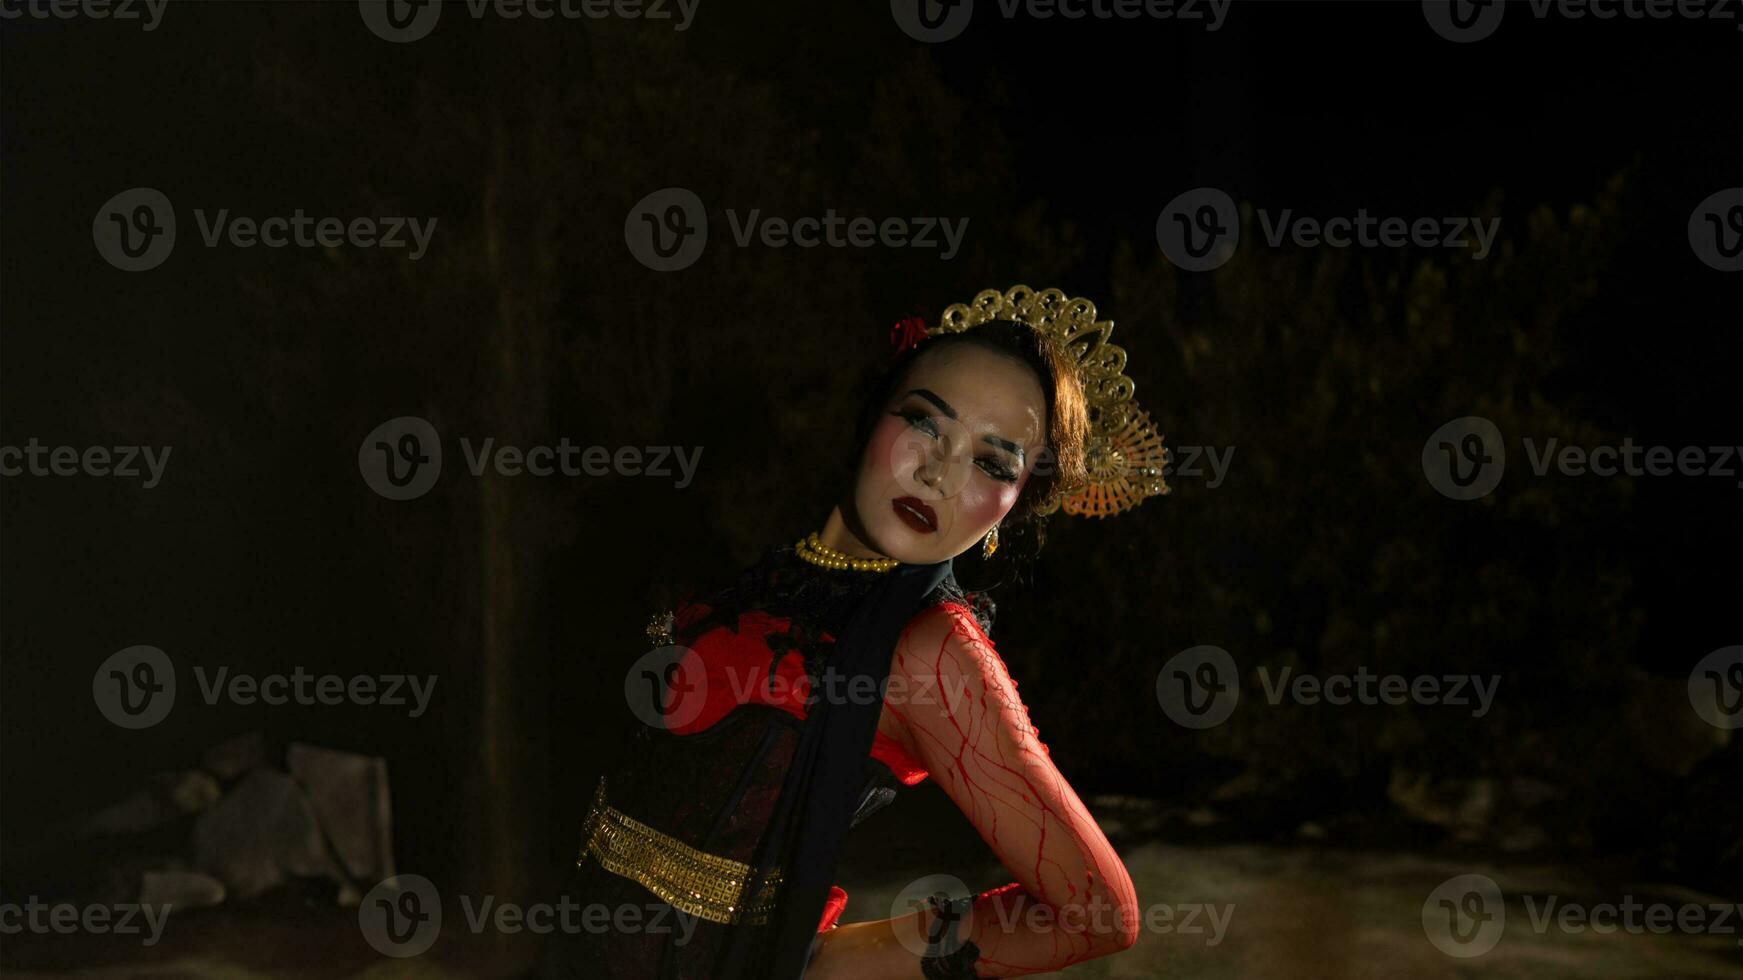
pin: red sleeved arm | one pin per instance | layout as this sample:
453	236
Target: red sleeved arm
1072	899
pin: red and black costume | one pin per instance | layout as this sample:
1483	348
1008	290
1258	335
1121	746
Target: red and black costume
732	807
743	770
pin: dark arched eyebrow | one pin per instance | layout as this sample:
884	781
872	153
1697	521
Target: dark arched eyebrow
1008	446
944	406
931	396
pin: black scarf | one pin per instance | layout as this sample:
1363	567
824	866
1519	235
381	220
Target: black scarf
821	790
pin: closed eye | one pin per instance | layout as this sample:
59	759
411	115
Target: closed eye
992	466
996	469
919	420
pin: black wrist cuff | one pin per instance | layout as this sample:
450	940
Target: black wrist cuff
957	966
948	956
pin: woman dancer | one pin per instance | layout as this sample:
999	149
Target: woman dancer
785	708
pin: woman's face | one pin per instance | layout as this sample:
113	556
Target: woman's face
949	454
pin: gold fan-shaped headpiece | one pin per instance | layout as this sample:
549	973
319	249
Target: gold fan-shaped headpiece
1124	454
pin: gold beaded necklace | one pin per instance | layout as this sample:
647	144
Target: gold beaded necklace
813	550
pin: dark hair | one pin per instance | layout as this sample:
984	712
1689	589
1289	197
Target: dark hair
1059	468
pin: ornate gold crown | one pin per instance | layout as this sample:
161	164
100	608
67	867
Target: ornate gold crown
1124	453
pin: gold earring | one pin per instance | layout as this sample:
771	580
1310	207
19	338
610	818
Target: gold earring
990	543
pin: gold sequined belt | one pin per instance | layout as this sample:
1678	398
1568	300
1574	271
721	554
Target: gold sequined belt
688	879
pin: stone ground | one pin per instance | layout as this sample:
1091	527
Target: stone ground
1288	912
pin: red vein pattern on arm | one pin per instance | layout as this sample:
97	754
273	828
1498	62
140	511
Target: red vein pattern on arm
1073	899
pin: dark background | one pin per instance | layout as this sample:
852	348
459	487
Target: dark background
530	321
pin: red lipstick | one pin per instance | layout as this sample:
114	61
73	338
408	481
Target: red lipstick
914	513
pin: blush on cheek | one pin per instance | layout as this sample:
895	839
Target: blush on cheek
879	463
984	505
